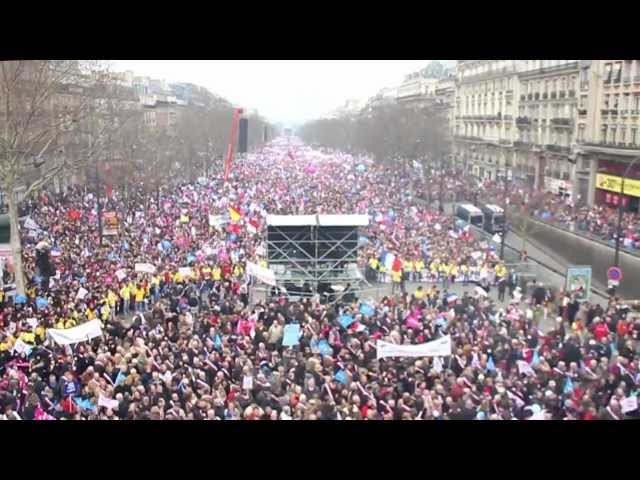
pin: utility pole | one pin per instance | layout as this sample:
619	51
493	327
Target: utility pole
99	205
616	258
505	228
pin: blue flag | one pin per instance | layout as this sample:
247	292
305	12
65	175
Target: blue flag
341	376
191	258
325	348
491	367
85	404
120	378
291	335
41	302
536	358
217	342
345	321
367	310
20	299
568	387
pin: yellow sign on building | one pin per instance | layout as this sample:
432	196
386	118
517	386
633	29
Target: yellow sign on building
613	183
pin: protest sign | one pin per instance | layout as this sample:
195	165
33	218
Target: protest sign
629	404
247	382
121	274
263	274
345	321
107	402
186	271
82	292
291	335
436	348
145	268
110	223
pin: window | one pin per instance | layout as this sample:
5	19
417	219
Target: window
636	103
607	73
616	99
634	133
613	135
555	85
563	84
603	133
607	99
581	133
583	102
623	132
617	72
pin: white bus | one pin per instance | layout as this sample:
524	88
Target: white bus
470	214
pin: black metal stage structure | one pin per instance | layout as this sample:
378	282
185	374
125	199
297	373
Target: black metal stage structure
316	250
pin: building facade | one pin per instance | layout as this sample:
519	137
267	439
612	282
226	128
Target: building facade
610	139
547	124
483	117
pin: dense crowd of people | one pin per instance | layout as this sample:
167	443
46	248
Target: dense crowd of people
183	337
597	221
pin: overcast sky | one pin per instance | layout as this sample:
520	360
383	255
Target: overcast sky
288	91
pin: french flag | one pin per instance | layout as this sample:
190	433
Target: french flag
387	260
452	299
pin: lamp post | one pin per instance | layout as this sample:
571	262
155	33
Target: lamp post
616	258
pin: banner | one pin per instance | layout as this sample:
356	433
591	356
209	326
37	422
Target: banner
613	183
121	274
291	335
107	402
29	224
579	280
110	223
436	348
186	271
81	333
263	274
145	268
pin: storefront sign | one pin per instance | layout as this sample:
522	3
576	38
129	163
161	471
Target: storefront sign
613	183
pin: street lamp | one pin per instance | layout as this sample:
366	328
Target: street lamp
616	258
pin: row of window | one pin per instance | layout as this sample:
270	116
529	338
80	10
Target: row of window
546	137
546	86
619	135
625	101
616	72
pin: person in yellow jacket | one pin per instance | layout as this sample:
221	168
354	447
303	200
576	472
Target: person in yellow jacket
125	298
454	272
396	278
112	300
464	271
419	267
407	267
373	268
434	268
177	278
501	271
139	293
444	275
216	273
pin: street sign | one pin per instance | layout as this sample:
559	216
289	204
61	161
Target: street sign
614	274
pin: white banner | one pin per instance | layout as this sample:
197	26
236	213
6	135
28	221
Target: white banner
81	333
186	271
30	224
629	404
108	402
145	268
82	292
121	274
436	348
263	274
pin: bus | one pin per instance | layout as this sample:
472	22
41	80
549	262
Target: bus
470	214
493	218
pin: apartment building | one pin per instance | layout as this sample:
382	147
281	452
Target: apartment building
610	139
547	124
483	119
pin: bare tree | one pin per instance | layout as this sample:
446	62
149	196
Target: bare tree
43	103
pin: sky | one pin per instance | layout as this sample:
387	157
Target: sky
286	91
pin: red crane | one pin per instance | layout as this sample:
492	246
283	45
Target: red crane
237	113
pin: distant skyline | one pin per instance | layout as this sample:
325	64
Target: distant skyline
283	91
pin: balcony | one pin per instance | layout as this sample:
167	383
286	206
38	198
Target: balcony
635	113
469	138
523	121
582	112
507	118
554	95
563	94
557	149
545	95
613	113
626	80
522	145
624	113
561	122
536	96
572	93
505	142
604	111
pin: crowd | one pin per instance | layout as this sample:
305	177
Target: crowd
598	221
182	338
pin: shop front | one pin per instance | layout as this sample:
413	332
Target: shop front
608	191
